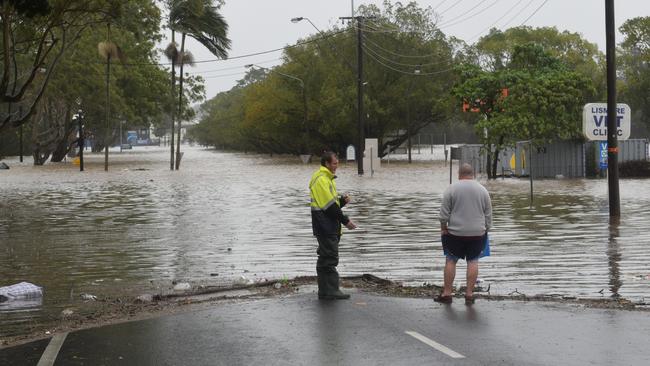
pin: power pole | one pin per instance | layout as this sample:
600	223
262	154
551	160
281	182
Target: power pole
612	128
360	114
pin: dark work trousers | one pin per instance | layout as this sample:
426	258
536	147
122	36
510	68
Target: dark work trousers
328	259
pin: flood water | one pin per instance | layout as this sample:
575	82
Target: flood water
139	227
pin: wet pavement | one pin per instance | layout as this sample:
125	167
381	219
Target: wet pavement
139	227
366	330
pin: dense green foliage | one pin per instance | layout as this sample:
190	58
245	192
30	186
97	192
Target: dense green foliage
415	77
634	64
200	20
72	76
266	111
533	96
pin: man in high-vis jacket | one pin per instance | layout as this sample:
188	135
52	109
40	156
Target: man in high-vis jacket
326	220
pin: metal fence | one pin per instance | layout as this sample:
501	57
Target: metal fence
568	159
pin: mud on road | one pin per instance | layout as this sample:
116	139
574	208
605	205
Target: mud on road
112	310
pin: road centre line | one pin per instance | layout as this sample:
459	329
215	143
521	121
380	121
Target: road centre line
449	352
52	350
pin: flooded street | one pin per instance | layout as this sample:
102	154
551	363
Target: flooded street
139	227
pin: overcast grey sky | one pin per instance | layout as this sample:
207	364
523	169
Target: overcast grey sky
261	25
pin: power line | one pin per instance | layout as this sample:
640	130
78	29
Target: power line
398	54
406	72
276	49
496	21
332	46
448	24
298	44
535	12
462	14
377	29
451	7
224	75
234	67
516	15
400	63
439	4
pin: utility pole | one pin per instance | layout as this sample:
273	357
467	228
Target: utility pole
360	122
612	128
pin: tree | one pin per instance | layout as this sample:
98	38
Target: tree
535	97
635	67
35	34
135	91
273	106
201	20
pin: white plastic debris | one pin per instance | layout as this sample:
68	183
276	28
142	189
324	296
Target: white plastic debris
182	286
145	298
21	291
242	281
66	313
88	297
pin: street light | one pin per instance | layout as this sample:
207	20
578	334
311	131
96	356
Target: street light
304	102
80	141
299	19
408	111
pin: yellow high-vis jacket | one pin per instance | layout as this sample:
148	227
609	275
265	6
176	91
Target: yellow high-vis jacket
326	214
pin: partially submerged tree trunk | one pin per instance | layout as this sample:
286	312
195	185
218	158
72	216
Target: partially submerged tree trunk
172	54
180	103
48	129
69	138
495	162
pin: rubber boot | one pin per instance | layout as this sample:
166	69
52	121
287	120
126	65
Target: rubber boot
322	284
333	291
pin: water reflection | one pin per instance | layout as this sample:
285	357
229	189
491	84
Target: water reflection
140	226
614	257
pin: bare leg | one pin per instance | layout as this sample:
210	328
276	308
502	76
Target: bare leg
450	274
472	275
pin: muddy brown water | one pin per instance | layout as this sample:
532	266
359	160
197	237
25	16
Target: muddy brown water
139	227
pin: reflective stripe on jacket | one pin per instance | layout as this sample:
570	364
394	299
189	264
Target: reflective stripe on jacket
322	189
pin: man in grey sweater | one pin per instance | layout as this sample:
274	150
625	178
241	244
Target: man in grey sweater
465	218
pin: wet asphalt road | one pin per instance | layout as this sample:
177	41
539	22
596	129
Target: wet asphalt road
366	330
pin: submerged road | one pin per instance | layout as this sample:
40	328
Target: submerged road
366	330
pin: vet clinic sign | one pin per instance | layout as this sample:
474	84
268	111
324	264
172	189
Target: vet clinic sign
594	121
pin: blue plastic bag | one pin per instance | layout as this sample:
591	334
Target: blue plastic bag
486	248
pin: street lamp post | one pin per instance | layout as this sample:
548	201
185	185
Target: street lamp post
304	99
80	141
408	112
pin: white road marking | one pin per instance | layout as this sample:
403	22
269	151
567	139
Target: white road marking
52	350
446	350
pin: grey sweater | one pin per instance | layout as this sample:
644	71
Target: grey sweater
466	208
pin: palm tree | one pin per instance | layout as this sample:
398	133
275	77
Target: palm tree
108	50
201	20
